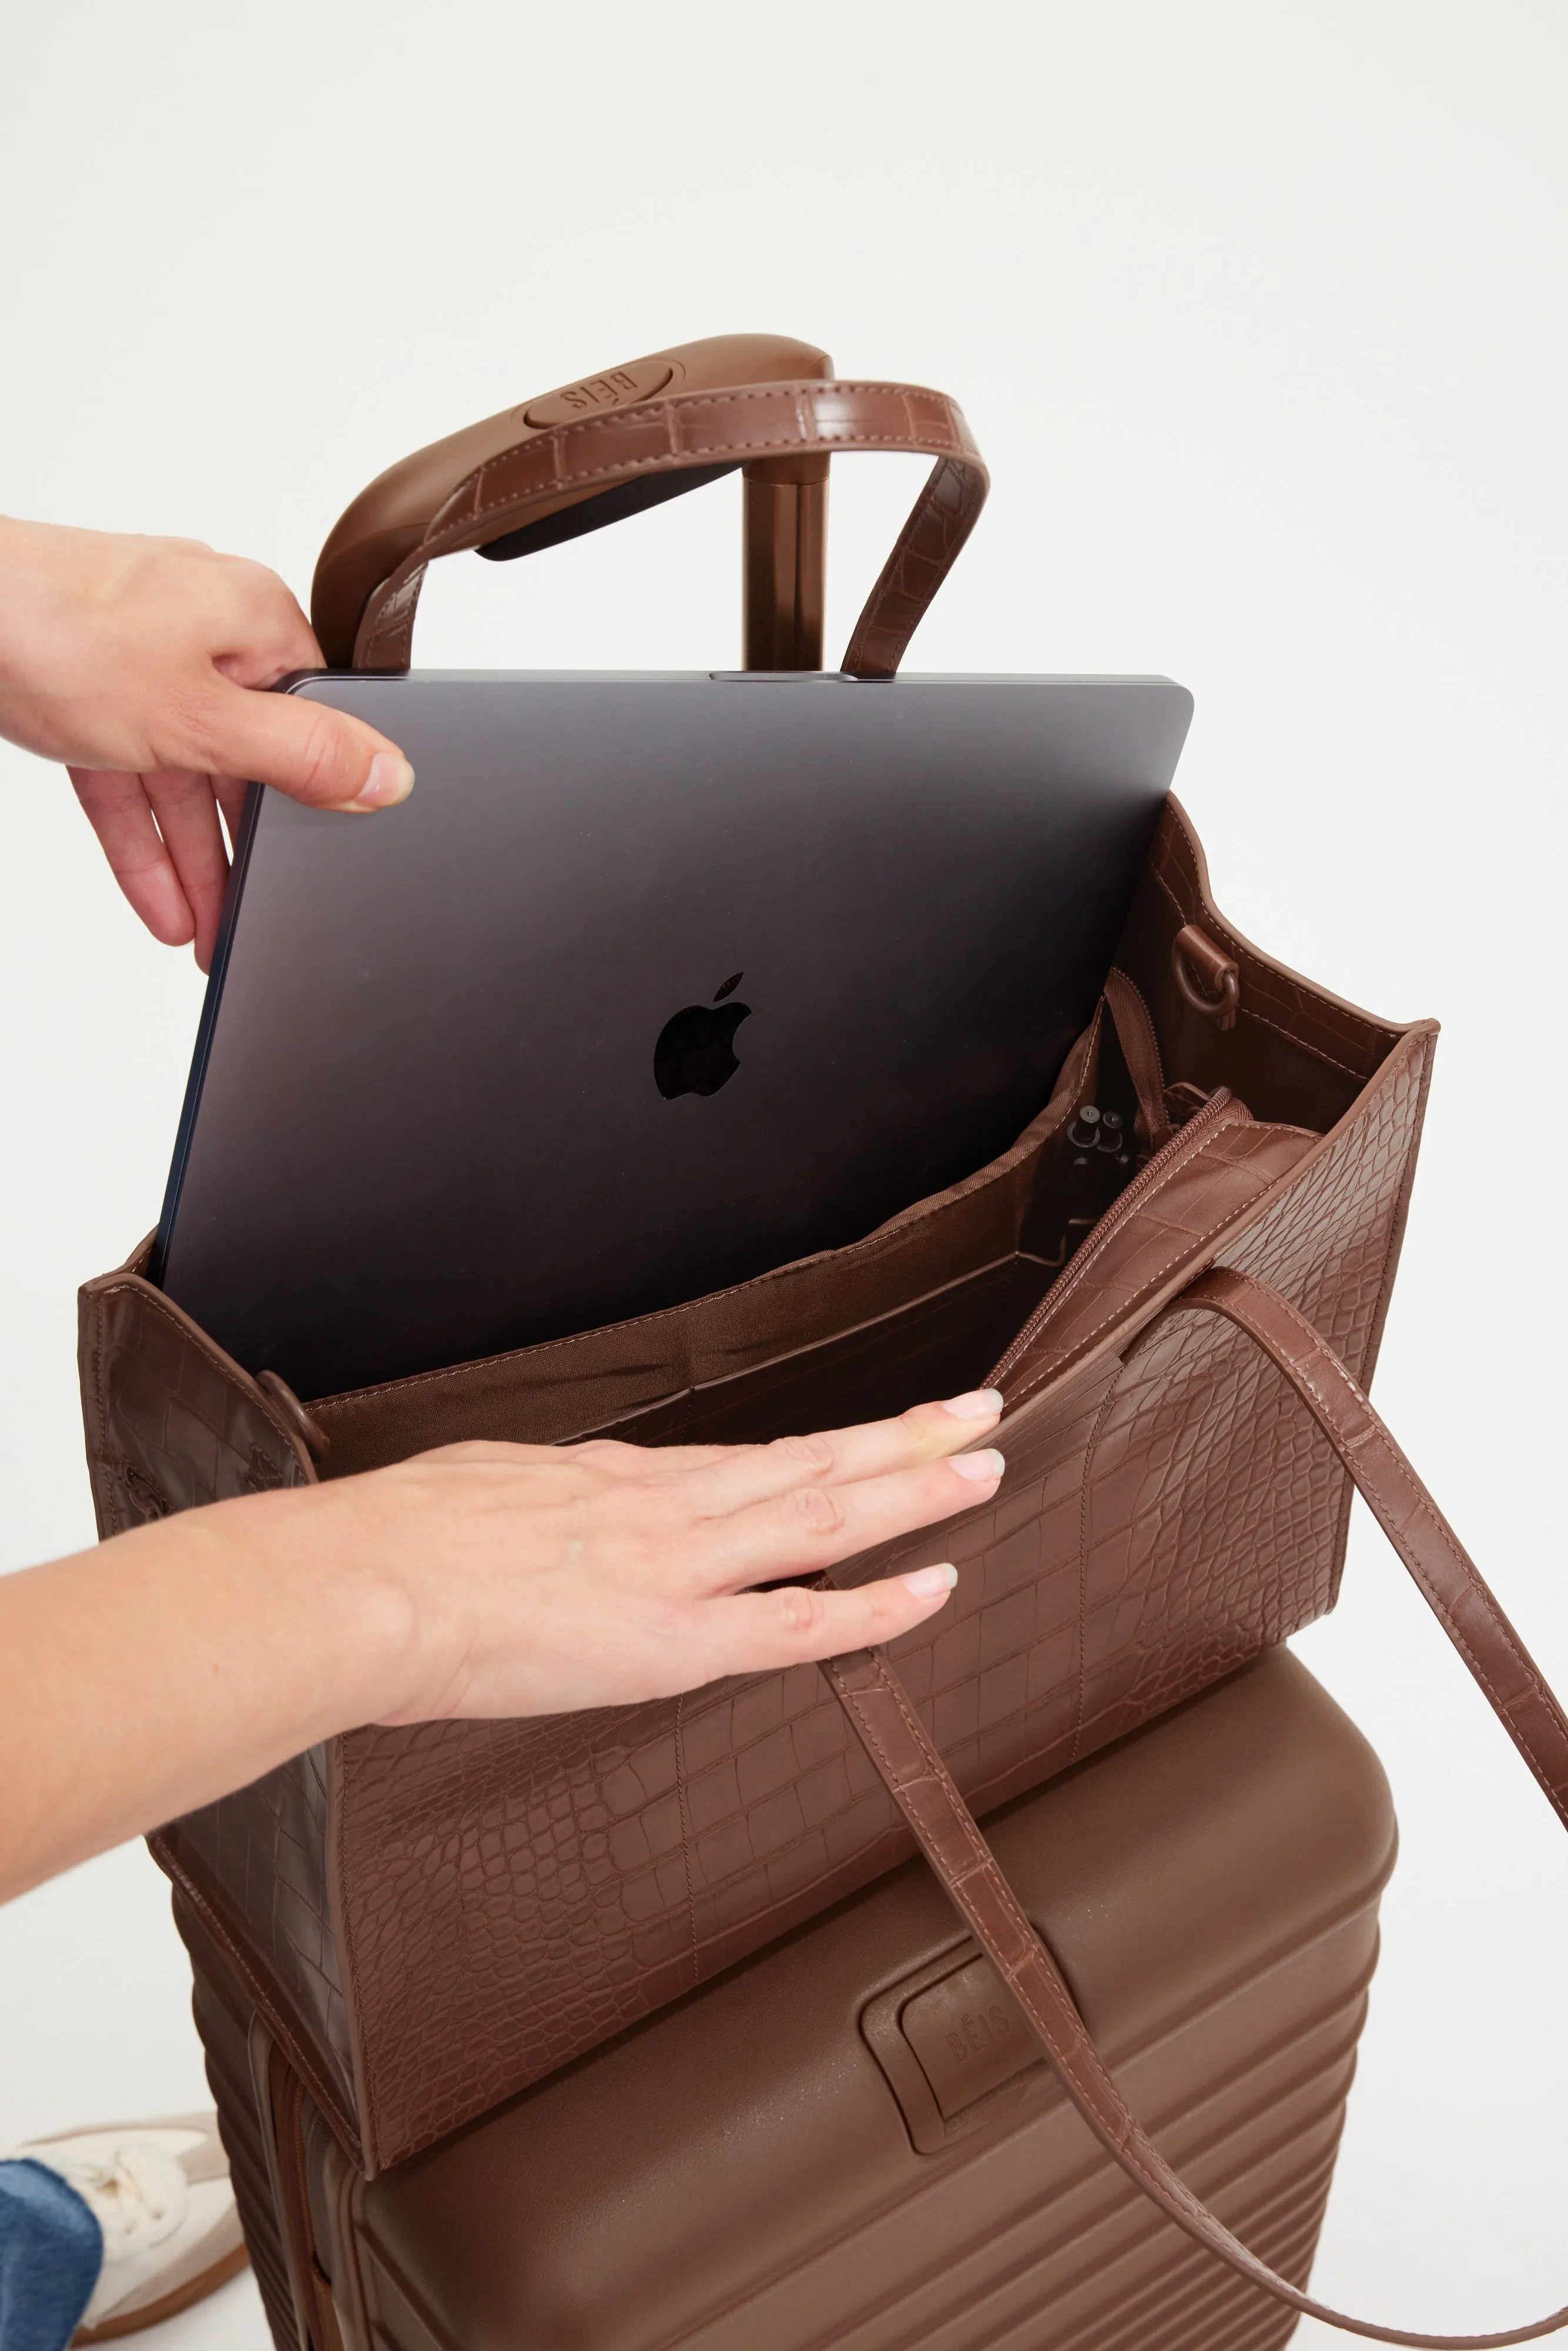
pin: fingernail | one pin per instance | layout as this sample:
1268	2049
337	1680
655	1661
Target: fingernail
391	780
981	1404
926	1583
983	1468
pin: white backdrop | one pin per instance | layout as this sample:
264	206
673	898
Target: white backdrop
1258	314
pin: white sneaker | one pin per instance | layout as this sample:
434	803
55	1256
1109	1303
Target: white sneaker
161	2193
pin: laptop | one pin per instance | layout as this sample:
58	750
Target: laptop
653	983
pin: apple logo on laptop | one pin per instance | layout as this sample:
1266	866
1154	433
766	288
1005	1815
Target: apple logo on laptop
695	1052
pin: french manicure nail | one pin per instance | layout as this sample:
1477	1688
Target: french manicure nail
391	780
983	1468
981	1404
926	1583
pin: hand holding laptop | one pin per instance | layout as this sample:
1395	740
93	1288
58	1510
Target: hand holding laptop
126	659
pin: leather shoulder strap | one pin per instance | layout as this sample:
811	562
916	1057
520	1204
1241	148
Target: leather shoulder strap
586	455
918	1779
1449	1580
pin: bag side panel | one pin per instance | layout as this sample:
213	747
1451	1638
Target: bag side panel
172	1424
265	1852
1214	1509
1296	1053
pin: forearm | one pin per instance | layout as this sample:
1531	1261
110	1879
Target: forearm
173	1664
179	1662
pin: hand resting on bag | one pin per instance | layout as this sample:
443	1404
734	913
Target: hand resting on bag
129	659
186	1657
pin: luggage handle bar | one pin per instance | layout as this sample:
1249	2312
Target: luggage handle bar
612	445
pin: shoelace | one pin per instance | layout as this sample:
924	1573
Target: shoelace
137	2199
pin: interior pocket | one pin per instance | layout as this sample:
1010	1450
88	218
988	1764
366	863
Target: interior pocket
938	1346
920	1308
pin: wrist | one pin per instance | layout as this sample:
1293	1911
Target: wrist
309	1575
39	631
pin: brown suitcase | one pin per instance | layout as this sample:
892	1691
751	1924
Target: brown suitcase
851	2138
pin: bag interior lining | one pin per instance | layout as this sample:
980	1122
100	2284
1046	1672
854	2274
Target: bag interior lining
924	1305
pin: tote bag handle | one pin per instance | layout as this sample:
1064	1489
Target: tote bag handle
895	1740
576	459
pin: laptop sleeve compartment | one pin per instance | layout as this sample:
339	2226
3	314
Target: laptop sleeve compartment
942	1287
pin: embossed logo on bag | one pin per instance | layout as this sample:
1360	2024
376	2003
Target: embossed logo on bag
617	388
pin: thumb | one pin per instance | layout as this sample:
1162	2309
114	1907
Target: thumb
318	755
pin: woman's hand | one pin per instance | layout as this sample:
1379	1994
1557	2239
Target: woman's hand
134	662
182	1660
542	1578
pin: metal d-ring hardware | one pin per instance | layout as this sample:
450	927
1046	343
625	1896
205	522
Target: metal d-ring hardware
1191	946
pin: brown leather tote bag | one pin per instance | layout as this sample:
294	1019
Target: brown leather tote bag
431	1919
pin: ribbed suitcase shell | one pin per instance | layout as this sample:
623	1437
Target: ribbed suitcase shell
742	2172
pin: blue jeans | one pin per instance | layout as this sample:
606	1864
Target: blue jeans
51	2249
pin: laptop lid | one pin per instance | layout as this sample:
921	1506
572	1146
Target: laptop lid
653	983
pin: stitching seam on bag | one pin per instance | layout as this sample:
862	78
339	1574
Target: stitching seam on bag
100	1410
1373	1031
1207	1241
1259	973
1084	1488
291	2034
986	1866
863	1253
686	1832
675	459
1076	1276
152	1302
1129	1305
1153	1033
937	1770
1302	1045
364	2077
941	441
1388	1075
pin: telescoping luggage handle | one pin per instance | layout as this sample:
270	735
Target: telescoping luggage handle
610	446
914	1775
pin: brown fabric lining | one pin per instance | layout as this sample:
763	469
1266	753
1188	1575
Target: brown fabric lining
926	1291
912	1310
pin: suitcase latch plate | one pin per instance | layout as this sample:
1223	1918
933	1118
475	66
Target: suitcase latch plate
954	2046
